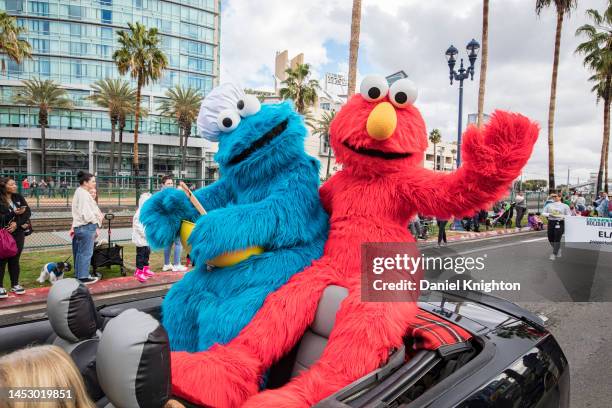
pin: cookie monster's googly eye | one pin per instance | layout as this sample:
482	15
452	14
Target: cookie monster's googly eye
247	106
373	88
228	120
403	93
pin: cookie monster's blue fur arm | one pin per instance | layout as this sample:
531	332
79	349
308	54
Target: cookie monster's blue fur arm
289	216
162	214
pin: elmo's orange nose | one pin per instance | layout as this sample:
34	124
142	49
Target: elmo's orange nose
382	121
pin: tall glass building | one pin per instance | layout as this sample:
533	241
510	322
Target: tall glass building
73	42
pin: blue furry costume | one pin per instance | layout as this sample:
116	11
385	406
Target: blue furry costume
267	196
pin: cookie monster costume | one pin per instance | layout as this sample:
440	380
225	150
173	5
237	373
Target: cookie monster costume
267	196
380	138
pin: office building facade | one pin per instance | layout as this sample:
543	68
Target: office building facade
72	43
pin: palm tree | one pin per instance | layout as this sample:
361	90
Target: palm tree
435	137
183	104
44	95
116	96
320	127
140	55
483	60
354	46
563	7
10	44
597	51
300	88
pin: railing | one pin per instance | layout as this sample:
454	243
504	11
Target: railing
55	194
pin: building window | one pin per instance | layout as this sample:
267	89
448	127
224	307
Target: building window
324	149
106	2
15	6
75	30
75	12
40	45
107	16
107	33
137	3
44	67
40	8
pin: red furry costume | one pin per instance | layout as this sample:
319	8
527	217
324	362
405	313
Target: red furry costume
370	200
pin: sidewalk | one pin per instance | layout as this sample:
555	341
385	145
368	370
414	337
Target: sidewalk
39	295
453	235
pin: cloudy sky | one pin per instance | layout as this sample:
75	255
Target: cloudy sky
412	35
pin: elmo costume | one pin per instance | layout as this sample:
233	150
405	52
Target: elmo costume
380	138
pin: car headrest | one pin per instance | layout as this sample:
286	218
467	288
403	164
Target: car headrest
133	361
329	304
71	311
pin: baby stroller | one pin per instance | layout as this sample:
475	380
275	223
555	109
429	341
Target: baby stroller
504	216
106	255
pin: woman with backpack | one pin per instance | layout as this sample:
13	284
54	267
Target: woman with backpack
14	218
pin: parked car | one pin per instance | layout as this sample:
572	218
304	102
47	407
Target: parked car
465	349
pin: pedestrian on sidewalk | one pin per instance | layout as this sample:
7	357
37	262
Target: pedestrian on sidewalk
415	227
25	186
143	251
442	232
63	189
534	222
86	219
556	213
14	214
51	187
168	182
580	202
603	209
521	208
34	189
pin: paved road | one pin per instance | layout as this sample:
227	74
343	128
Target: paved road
574	292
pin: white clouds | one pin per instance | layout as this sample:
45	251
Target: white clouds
412	35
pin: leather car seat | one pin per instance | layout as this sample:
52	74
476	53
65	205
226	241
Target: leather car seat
315	338
75	322
133	362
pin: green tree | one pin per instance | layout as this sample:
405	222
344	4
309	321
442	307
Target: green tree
597	51
10	43
44	95
140	55
320	127
116	96
435	137
300	88
563	8
183	104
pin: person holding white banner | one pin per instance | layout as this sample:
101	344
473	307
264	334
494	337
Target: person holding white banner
556	211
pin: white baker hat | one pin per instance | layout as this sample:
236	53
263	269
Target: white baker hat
221	98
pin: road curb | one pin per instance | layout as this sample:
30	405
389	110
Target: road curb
474	236
103	287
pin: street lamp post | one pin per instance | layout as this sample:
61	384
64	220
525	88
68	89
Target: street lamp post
463	73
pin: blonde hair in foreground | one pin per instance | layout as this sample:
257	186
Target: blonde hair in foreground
43	366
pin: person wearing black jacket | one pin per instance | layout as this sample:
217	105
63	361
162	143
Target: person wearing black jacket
14	214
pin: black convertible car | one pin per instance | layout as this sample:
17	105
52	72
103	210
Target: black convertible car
464	349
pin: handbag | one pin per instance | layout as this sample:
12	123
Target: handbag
8	246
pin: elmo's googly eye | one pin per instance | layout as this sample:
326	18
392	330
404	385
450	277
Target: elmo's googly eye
373	88
248	106
403	93
228	120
